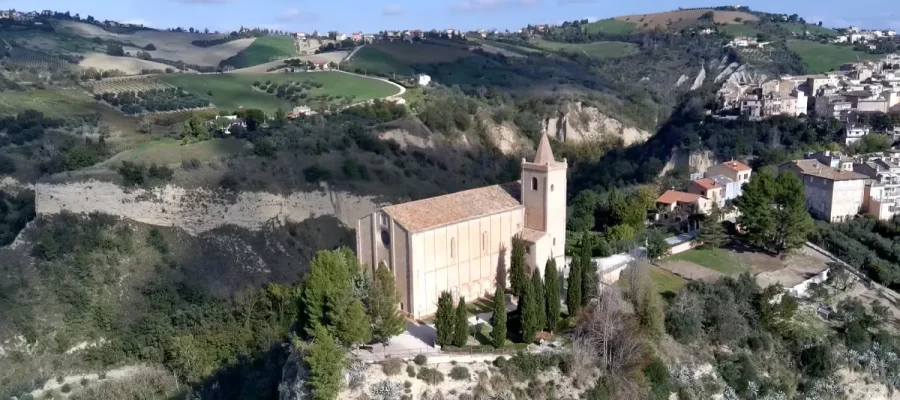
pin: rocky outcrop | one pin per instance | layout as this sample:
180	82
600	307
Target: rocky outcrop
701	76
505	136
578	123
697	161
406	139
200	210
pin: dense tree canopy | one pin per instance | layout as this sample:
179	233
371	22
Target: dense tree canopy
773	210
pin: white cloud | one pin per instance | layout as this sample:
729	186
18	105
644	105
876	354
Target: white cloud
295	15
393	10
480	5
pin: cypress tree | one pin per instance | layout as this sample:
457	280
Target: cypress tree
588	270
540	305
383	300
445	319
551	294
529	312
498	321
573	287
461	324
517	277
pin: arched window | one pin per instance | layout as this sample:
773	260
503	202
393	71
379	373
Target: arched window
484	241
551	188
452	247
534	184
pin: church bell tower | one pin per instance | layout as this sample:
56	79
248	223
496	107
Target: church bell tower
544	198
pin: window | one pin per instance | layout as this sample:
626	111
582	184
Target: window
551	188
452	247
385	220
484	241
554	241
385	238
527	249
534	184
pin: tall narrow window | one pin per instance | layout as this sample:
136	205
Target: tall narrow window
534	185
484	241
452	247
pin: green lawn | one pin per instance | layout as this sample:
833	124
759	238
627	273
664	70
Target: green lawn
596	49
263	50
609	26
374	61
230	91
171	151
54	103
665	281
715	259
812	29
739	30
821	57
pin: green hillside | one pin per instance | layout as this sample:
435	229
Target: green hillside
230	91
609	26
371	60
596	50
820	57
263	50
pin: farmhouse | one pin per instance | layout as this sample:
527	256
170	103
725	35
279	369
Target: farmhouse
321	65
461	242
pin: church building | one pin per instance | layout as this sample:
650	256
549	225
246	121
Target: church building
461	242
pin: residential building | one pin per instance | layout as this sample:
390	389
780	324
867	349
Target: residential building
855	133
300	110
832	159
674	204
461	242
734	170
710	189
340	37
321	65
832	194
743	41
424	80
356	36
47	13
832	107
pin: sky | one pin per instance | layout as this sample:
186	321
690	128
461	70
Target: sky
376	15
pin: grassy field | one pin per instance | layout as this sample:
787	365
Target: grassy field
609	26
739	30
666	281
54	103
820	57
715	259
387	58
171	151
263	50
230	91
596	50
685	18
813	29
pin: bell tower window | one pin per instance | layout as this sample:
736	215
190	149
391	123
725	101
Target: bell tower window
534	183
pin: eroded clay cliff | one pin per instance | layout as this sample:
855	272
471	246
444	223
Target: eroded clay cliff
579	123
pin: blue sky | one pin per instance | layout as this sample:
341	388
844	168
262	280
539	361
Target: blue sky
375	15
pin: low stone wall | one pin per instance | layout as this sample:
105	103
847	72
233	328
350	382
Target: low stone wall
200	210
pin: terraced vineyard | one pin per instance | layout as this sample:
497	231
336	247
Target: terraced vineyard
34	59
130	84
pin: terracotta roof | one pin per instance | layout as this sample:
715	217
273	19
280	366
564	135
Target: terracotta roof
531	235
544	152
673	196
425	214
736	165
707	183
817	169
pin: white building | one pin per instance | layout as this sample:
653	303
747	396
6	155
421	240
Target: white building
855	133
832	194
424	80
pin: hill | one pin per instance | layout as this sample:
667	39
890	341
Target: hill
683	18
821	57
231	91
399	57
263	50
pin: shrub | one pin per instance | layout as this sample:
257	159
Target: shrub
500	362
190	164
392	366
66	388
431	376
411	371
149	47
102	375
60	379
407	384
84	381
460	373
420	359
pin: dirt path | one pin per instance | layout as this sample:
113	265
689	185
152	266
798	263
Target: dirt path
75	380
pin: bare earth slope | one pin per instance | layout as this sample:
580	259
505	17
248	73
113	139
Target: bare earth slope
661	20
129	65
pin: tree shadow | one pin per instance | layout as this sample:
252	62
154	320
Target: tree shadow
254	376
500	280
423	332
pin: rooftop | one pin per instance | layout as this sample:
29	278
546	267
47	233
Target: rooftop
532	235
434	212
817	169
707	183
736	166
674	196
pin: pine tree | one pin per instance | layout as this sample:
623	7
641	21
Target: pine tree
551	294
657	246
517	275
326	361
529	314
383	302
712	233
461	324
444	320
588	270
498	321
354	328
540	305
